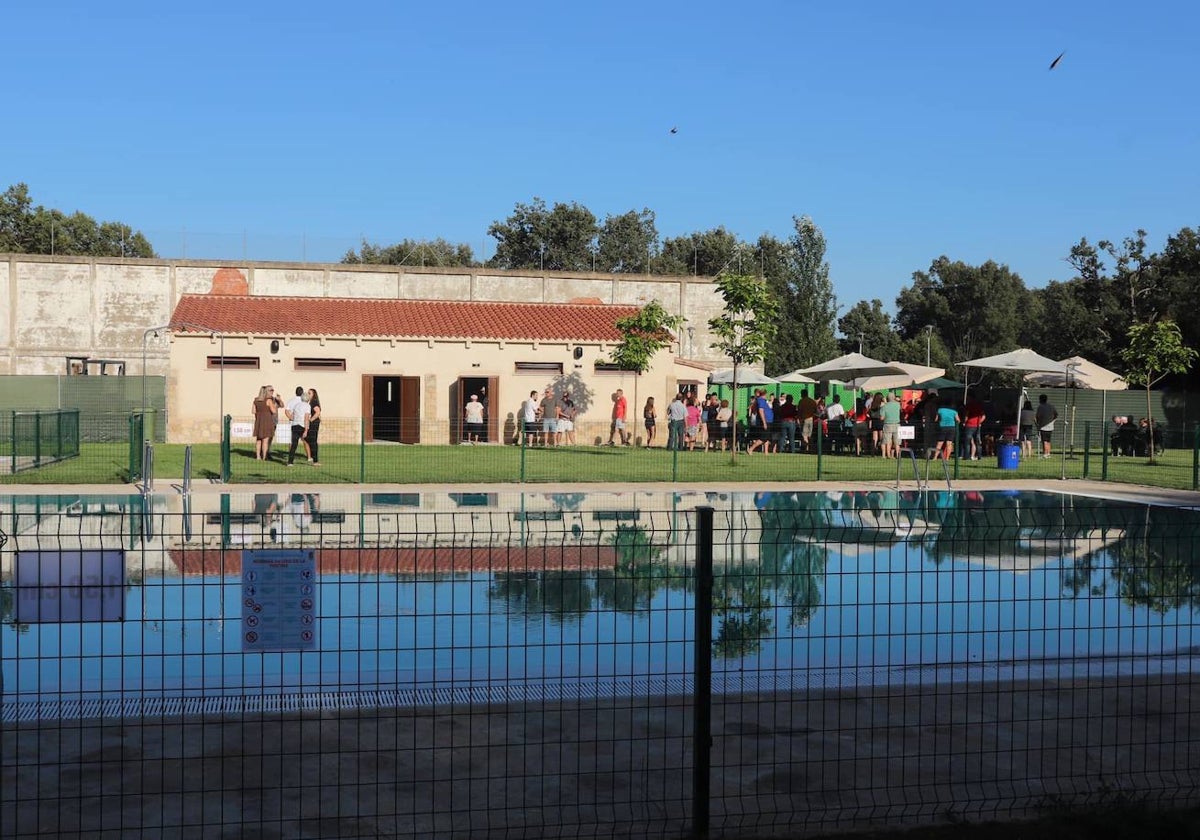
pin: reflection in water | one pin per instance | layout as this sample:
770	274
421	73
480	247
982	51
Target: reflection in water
803	580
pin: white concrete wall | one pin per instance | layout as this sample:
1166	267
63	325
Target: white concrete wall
53	307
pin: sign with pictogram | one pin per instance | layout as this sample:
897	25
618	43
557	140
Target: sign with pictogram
279	600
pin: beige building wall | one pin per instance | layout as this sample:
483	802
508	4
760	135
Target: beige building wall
194	392
54	307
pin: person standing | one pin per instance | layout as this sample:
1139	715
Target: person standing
676	422
264	409
947	430
890	437
725	425
473	413
1044	417
1025	422
692	423
787	424
548	409
973	423
808	413
298	411
314	426
620	410
566	420
529	410
650	418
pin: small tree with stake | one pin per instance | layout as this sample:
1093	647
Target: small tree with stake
746	327
643	335
1155	350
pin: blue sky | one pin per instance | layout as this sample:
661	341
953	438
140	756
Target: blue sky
905	130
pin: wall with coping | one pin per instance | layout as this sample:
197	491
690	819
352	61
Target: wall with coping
54	307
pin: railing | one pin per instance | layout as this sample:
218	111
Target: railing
34	439
349	455
461	665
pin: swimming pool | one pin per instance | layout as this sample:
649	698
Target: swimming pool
441	597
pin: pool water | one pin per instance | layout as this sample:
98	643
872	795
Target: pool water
514	595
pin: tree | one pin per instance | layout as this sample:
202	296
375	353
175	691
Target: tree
867	324
412	252
976	310
558	239
1179	273
703	253
626	243
1155	350
643	335
26	229
810	306
745	329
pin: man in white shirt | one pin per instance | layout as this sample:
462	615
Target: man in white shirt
529	412
473	412
836	410
298	411
676	422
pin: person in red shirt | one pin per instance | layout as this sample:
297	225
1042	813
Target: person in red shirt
973	423
620	409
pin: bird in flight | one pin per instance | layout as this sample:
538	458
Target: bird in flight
1054	63
674	129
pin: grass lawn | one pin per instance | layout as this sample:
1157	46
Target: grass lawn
384	464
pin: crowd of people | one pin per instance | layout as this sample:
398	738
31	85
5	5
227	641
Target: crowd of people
302	413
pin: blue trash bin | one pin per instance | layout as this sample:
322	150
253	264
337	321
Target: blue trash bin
1008	456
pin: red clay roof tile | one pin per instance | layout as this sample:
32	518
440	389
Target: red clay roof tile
255	315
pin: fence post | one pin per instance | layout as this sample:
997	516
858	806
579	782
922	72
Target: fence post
187	469
1196	458
1087	446
675	462
524	437
226	468
1104	461
37	438
960	434
818	425
702	668
13	470
362	452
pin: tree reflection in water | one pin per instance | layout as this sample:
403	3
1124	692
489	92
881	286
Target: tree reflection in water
639	574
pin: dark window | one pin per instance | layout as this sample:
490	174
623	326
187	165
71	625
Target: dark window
243	362
539	367
612	367
320	364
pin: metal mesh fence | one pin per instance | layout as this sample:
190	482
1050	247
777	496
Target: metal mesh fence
463	664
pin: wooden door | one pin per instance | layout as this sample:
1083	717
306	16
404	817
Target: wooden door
410	409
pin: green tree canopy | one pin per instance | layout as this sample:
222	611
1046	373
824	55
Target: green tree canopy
29	229
869	324
702	253
808	305
1155	350
534	237
626	243
412	252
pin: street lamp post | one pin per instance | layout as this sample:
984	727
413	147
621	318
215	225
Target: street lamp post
928	335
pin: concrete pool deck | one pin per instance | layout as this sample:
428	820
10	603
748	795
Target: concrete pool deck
785	765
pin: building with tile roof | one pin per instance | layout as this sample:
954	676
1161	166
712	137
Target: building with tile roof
401	370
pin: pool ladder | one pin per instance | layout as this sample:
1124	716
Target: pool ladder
921	484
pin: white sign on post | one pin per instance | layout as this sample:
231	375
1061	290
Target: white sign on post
279	600
241	430
908	433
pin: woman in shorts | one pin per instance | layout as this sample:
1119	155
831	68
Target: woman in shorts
947	430
650	418
1025	429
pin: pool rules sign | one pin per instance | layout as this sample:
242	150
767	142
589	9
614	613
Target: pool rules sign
279	600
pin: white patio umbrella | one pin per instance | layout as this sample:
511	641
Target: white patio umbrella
745	376
796	377
1087	375
1084	374
913	375
1024	361
849	367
